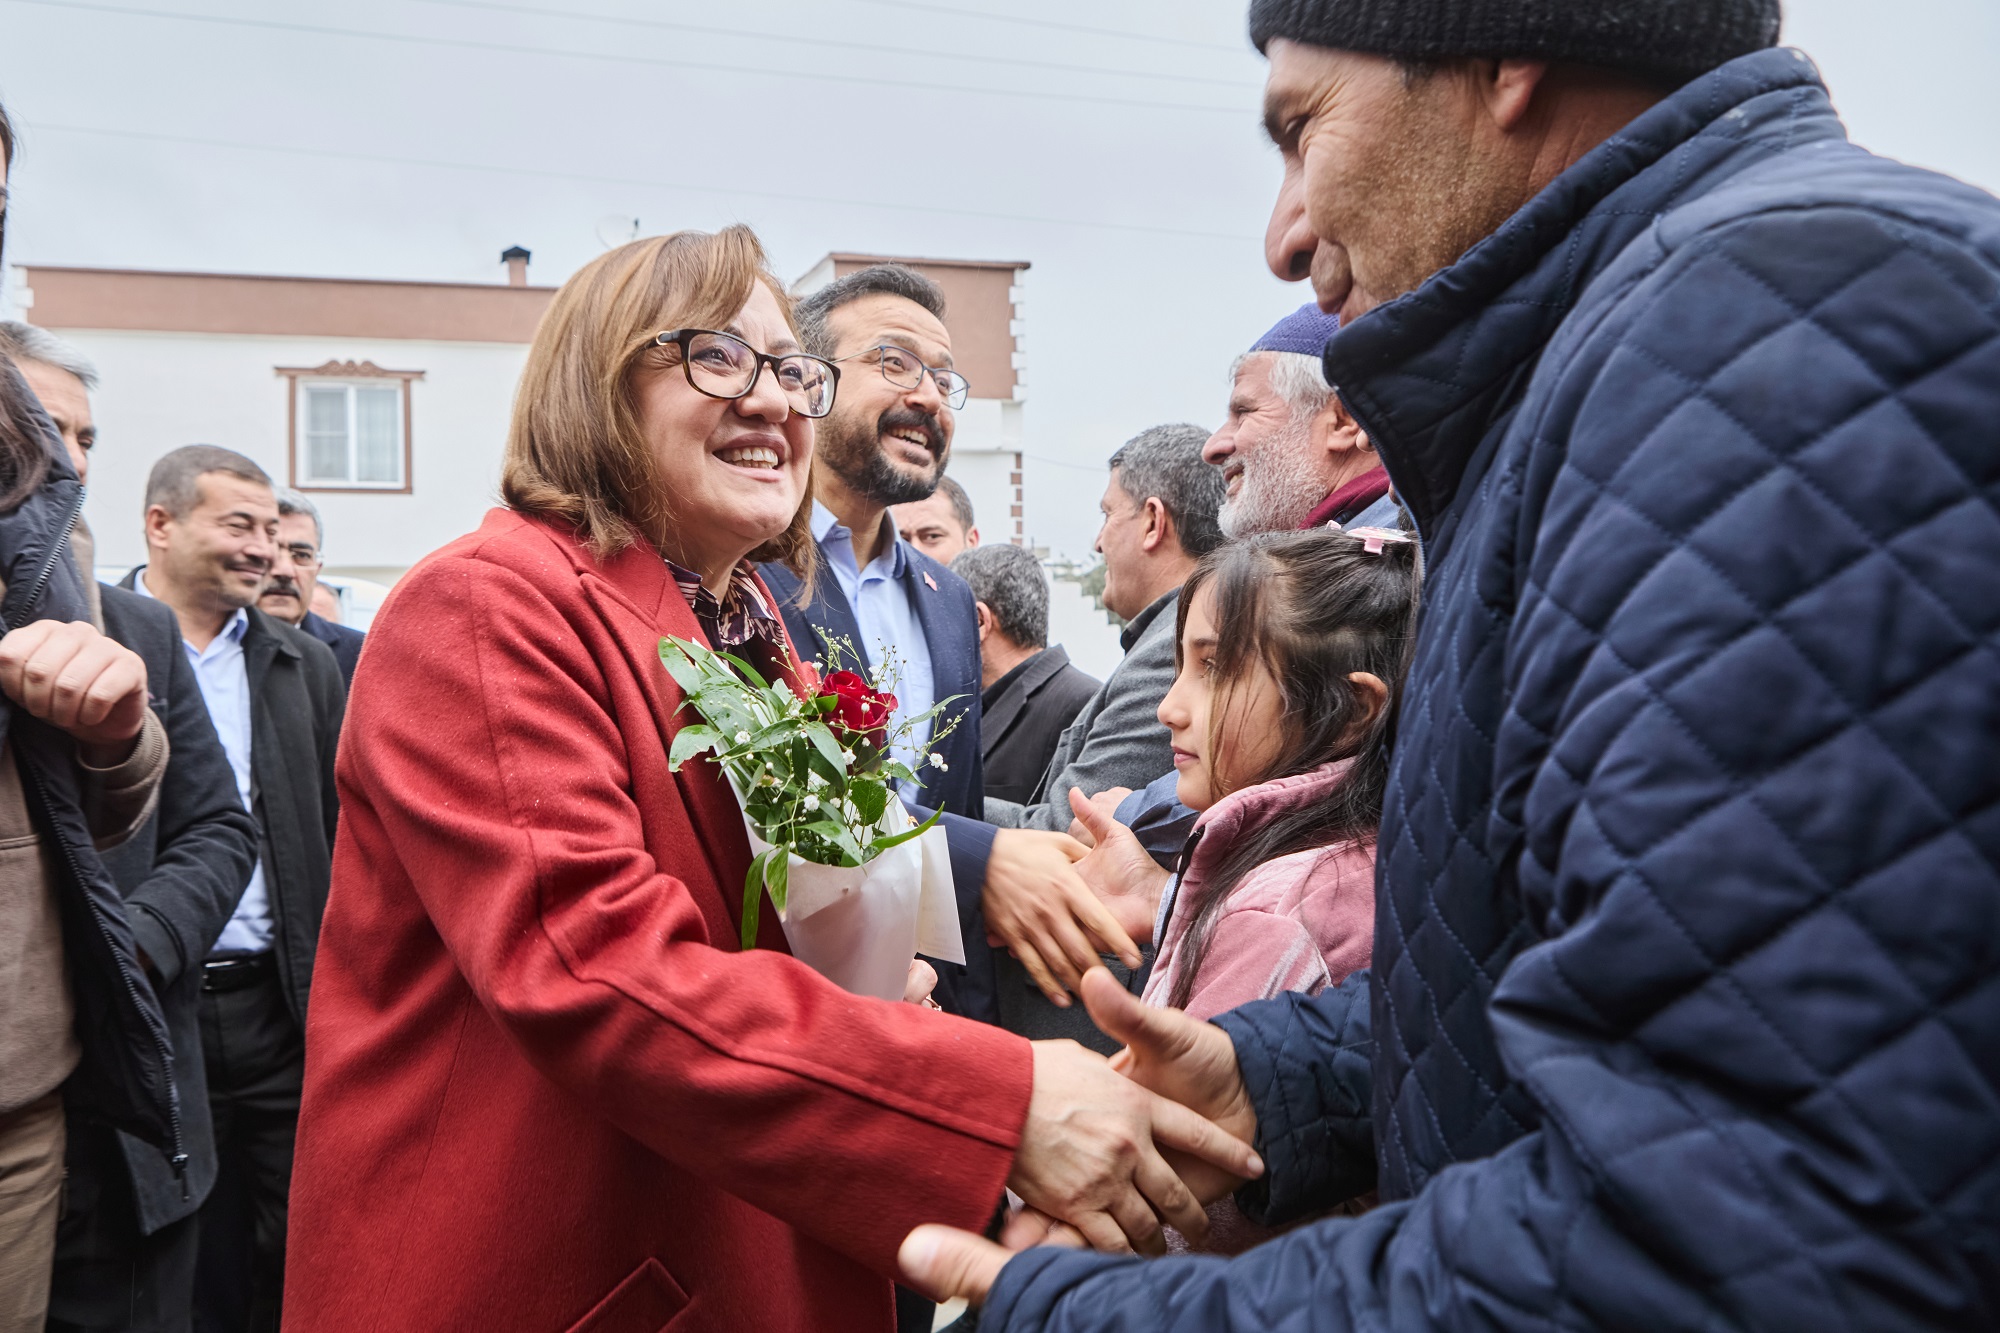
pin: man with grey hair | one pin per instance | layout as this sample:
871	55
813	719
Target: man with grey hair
288	591
63	378
1291	454
1159	511
1029	692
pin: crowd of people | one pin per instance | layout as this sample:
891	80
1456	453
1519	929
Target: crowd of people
1534	863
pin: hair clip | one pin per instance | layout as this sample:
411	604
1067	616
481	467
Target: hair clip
1373	538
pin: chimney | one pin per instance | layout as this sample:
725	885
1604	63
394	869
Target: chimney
516	260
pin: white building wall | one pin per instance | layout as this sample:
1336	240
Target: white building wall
986	460
162	390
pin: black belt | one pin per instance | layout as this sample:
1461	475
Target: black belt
238	973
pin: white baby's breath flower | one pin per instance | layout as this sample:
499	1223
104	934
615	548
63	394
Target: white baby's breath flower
742	738
814	781
847	756
937	762
811	802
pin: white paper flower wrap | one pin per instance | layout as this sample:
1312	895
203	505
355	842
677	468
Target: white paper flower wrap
859	926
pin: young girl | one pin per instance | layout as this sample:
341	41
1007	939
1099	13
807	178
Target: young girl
1290	646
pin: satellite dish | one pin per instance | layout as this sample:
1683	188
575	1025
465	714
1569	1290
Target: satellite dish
615	229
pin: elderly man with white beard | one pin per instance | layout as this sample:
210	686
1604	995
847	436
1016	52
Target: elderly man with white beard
1291	454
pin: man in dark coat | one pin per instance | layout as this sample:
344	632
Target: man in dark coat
1684	1011
125	1250
295	566
125	1247
1029	692
276	699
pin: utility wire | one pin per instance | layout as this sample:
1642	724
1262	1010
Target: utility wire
593	179
1057	25
319	30
826	43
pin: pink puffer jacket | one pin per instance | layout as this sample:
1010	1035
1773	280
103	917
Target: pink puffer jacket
1300	922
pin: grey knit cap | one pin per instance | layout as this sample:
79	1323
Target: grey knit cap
1676	39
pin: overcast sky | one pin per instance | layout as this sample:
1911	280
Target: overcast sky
1111	143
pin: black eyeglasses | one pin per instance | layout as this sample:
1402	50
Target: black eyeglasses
901	368
722	365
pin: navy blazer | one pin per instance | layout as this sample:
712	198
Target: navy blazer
943	604
345	642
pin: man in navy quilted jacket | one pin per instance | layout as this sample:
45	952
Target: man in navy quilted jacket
1685	1007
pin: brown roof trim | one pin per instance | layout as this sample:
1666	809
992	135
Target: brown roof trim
854	257
242	303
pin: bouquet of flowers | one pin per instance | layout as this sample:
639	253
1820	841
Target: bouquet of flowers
860	886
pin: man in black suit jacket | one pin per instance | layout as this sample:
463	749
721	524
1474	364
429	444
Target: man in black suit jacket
276	698
125	1250
1029	691
288	592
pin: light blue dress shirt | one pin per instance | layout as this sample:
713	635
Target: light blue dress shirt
224	677
890	631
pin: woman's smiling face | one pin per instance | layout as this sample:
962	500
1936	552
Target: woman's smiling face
1214	760
735	469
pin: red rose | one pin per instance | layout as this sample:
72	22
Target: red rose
859	708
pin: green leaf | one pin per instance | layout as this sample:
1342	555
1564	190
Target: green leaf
838	835
829	748
748	672
883	844
778	875
690	741
753	896
870	797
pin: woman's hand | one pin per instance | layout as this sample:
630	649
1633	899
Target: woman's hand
921	982
72	677
1119	869
1041	910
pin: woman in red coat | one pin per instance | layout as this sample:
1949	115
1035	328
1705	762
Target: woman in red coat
544	1088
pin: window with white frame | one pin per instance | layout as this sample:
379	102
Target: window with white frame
351	426
353	434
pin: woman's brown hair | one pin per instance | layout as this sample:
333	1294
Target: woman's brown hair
575	450
1311	608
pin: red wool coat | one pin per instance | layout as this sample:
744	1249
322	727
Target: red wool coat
545	1090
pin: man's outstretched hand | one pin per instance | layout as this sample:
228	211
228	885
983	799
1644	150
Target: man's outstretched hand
1119	869
948	1264
1181	1058
1041	910
1091	1152
1071	1115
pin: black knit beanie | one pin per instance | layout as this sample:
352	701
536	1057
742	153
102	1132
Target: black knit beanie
1672	39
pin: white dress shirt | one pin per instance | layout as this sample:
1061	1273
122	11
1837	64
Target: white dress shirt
224	677
890	631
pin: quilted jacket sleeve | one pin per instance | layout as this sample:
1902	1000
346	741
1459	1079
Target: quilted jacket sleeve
1750	718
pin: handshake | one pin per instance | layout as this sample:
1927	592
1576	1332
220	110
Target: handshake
1112	1149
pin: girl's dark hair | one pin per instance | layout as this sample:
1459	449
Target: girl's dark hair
24	452
1311	608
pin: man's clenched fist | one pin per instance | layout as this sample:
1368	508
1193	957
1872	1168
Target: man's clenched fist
72	677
